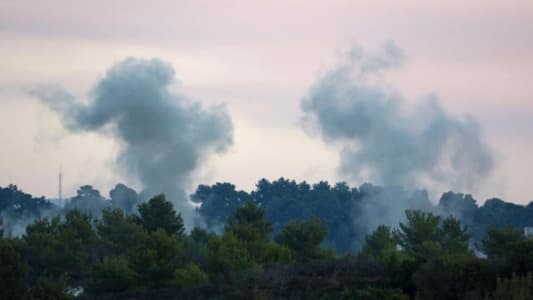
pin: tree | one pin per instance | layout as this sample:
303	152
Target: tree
124	198
249	226
218	202
159	213
113	274
381	245
304	238
54	247
248	223
78	240
427	236
419	236
118	233
190	276
228	254
19	209
41	247
510	250
13	272
48	288
453	277
455	237
87	200
497	242
159	258
514	288
373	293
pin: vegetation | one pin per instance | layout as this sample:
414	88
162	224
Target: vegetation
145	252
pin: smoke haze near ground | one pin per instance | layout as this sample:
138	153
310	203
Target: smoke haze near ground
163	135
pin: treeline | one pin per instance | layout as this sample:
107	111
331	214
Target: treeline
353	212
148	255
350	213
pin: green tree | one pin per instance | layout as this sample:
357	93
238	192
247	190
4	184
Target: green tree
78	240
124	198
497	242
419	237
248	223
250	227
113	274
87	200
304	238
369	293
118	233
455	237
425	236
196	245
42	248
515	288
47	288
453	277
381	244
56	247
227	254
156	262
13	272
218	202
190	276
159	213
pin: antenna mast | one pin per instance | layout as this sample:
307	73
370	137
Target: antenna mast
59	185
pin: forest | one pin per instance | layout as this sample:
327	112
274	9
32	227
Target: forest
283	240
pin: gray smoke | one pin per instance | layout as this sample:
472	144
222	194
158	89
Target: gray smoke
387	141
163	135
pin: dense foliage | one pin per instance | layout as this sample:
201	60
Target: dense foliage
144	252
351	213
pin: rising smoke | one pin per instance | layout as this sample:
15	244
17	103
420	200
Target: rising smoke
163	135
386	141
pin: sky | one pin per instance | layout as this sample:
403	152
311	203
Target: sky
260	58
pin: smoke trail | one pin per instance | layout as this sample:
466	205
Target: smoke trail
385	141
163	135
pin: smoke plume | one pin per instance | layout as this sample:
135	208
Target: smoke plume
387	141
163	135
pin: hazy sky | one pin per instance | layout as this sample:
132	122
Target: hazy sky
259	58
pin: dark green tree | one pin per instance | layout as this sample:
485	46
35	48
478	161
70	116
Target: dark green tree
159	258
249	223
13	272
497	242
124	198
47	288
113	274
56	247
227	254
455	236
118	233
420	235
304	238
159	213
87	200
218	201
381	245
514	288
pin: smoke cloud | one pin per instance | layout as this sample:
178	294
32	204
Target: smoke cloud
163	135
387	141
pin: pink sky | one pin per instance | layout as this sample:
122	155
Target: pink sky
259	59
